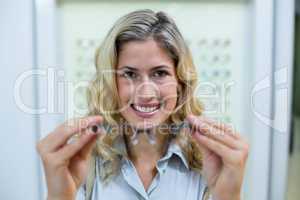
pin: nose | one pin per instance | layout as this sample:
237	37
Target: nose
146	91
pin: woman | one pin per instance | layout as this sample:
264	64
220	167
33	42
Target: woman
145	79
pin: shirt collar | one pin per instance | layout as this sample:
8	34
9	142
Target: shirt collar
175	149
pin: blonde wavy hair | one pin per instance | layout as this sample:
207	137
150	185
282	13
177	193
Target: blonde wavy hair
102	95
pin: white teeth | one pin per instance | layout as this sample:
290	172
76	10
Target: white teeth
145	109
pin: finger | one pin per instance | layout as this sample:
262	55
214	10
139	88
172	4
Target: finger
62	133
229	129
205	151
227	154
85	152
196	120
68	151
219	135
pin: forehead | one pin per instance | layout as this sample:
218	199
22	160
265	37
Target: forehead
143	54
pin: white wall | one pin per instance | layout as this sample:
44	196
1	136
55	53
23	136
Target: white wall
19	173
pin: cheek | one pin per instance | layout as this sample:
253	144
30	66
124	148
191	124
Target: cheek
125	90
169	94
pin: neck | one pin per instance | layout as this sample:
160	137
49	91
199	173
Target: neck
142	150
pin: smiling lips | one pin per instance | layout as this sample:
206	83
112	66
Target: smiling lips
145	110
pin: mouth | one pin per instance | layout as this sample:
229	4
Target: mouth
146	110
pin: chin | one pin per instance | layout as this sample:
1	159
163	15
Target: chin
143	125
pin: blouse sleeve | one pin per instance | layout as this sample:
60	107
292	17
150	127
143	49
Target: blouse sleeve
80	193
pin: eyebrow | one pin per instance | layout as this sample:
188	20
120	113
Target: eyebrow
160	66
152	69
128	67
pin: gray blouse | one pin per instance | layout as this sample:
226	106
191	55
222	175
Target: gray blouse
174	180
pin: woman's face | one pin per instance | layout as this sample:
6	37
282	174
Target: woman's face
147	84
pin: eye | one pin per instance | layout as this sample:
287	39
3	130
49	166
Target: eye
160	73
129	74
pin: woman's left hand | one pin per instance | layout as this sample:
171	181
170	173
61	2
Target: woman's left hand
224	153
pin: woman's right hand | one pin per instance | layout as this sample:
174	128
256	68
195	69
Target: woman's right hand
65	163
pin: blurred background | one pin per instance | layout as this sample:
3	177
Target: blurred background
247	57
